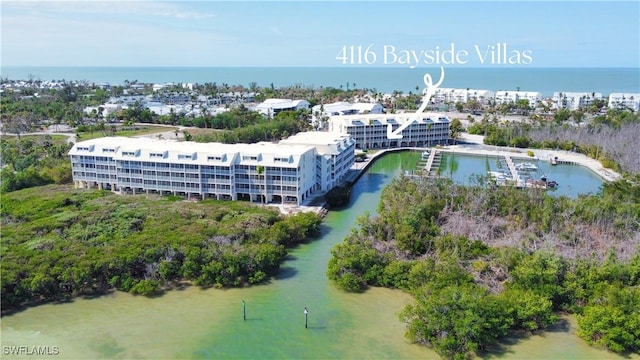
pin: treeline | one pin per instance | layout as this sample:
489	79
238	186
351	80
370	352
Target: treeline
281	126
58	243
30	108
238	125
33	161
606	138
482	262
21	112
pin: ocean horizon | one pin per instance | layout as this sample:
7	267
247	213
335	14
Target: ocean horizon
381	79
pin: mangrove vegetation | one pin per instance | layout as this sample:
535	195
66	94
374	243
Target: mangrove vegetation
483	262
58	243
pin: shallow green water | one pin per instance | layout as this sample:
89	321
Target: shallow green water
195	323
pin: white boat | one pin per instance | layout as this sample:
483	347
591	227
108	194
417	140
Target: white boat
498	176
527	166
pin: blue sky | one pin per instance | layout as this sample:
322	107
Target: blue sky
267	33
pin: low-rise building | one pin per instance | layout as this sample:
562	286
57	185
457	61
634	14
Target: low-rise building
624	101
261	172
573	100
271	107
104	110
373	131
345	108
505	97
451	95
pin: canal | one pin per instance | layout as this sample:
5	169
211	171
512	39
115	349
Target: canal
208	324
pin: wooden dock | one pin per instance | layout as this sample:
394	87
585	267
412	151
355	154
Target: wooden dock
427	167
555	161
433	163
514	173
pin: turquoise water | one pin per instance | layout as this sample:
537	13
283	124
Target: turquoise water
207	324
544	80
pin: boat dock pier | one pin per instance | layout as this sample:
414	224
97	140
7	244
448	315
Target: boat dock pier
513	172
555	161
434	159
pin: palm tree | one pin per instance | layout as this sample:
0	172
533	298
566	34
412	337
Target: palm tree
260	170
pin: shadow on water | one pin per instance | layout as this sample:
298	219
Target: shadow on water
504	346
286	272
324	228
562	325
63	300
368	183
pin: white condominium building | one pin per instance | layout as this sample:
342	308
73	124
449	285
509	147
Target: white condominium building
345	108
574	100
383	131
261	172
271	107
505	97
624	100
335	155
451	95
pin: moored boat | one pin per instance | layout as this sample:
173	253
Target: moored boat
527	166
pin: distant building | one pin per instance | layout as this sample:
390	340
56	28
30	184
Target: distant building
160	108
158	87
624	101
128	100
137	86
450	95
573	100
373	131
345	108
236	97
261	172
505	97
107	109
271	107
